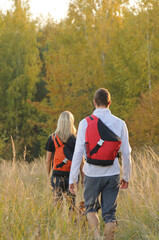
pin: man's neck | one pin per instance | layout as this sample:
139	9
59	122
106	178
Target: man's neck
103	107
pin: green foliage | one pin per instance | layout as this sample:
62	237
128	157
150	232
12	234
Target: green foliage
3	139
101	45
144	124
20	64
46	69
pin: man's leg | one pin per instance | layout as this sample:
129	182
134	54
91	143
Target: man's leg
109	230
92	190
93	221
109	203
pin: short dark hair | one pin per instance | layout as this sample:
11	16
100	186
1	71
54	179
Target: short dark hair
102	97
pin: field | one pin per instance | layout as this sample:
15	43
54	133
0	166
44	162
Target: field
28	209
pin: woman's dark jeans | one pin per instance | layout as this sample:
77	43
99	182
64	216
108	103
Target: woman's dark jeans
60	185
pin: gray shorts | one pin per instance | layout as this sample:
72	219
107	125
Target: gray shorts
108	188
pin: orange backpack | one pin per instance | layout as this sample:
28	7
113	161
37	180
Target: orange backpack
62	158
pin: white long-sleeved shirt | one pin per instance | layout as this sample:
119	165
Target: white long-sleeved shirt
119	127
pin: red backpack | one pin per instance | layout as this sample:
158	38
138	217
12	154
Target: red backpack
102	144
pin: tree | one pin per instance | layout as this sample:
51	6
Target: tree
77	52
144	125
20	64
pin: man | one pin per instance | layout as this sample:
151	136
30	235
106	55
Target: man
101	179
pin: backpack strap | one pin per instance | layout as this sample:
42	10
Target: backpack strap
91	118
60	165
57	141
96	148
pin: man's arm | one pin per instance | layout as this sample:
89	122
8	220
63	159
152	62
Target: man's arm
77	156
125	149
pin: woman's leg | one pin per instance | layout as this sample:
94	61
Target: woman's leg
57	190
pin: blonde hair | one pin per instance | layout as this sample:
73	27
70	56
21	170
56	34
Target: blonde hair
65	126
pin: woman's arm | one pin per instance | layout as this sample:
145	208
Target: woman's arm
49	158
50	148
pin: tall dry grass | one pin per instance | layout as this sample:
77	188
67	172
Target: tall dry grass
138	208
28	209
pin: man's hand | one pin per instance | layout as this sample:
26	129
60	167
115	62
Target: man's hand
72	188
123	184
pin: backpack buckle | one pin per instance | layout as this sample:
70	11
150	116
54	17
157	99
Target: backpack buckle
65	160
100	142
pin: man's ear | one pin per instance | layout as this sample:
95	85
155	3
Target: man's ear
109	103
94	103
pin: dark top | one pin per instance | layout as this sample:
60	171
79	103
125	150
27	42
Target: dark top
50	147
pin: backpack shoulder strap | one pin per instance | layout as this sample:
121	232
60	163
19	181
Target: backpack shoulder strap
91	118
57	141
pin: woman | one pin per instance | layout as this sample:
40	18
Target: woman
60	147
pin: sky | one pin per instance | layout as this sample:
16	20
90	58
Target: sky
56	8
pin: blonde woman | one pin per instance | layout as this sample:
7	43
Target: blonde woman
60	147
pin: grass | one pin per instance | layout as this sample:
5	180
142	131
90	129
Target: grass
28	209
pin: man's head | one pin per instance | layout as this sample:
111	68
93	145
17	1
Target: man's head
102	98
